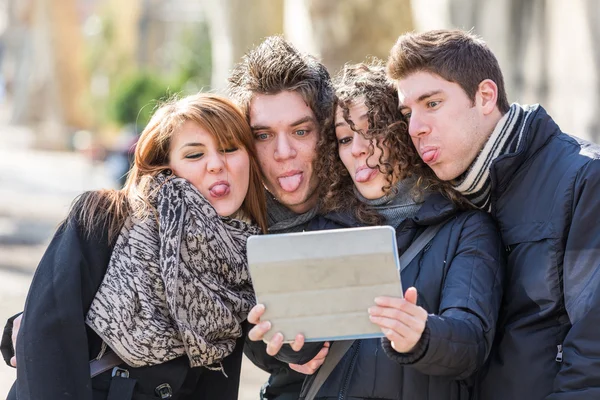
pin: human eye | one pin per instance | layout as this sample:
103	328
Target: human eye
433	104
301	132
194	156
230	150
261	136
344	140
406	114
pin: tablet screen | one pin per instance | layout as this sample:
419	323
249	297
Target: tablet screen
321	283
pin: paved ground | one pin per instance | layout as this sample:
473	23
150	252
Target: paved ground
36	189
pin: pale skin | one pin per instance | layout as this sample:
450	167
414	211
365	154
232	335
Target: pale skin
220	174
286	135
401	320
447	128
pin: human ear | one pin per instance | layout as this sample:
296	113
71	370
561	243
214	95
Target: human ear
487	96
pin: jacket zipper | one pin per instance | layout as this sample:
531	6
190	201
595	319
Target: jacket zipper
350	371
559	354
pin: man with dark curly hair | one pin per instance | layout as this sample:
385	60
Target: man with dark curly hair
287	97
540	184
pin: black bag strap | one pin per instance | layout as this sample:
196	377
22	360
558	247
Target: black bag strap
338	349
121	388
419	244
336	353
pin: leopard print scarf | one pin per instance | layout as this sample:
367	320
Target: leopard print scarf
179	286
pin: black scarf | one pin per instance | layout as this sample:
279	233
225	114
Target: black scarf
284	220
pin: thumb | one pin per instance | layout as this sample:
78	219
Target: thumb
411	295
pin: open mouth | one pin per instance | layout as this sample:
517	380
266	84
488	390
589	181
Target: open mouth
219	189
291	181
365	174
430	154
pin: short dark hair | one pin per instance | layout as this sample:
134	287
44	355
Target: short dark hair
275	66
455	55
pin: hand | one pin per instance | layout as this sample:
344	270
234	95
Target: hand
15	331
400	320
258	332
313	365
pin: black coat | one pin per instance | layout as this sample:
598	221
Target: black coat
546	199
54	345
459	279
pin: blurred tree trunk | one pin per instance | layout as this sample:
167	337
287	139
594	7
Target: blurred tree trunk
70	73
235	27
347	31
50	89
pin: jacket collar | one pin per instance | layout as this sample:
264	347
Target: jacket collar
539	130
435	209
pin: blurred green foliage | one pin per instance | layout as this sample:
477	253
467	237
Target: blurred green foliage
179	67
135	98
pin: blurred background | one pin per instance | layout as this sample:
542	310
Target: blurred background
80	78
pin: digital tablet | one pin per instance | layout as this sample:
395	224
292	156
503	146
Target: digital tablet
321	283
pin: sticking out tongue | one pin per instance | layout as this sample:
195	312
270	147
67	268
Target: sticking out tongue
428	155
364	174
220	190
290	183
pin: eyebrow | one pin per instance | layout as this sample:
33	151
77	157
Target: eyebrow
344	122
192	144
421	98
302	120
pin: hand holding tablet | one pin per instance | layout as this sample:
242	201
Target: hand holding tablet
321	284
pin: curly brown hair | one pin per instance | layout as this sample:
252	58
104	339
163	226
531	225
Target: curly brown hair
387	129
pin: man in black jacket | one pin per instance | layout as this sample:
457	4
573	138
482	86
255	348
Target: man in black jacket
540	184
287	97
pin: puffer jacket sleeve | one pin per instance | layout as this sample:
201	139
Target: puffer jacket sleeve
457	341
52	345
579	375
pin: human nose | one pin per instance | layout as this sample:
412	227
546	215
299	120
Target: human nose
360	145
285	148
216	163
418	126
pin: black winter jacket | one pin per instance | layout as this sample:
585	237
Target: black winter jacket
458	277
546	199
54	345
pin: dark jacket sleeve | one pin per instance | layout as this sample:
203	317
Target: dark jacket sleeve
52	344
579	375
458	340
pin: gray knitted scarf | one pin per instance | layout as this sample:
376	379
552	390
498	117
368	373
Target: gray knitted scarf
475	184
396	206
283	220
176	286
